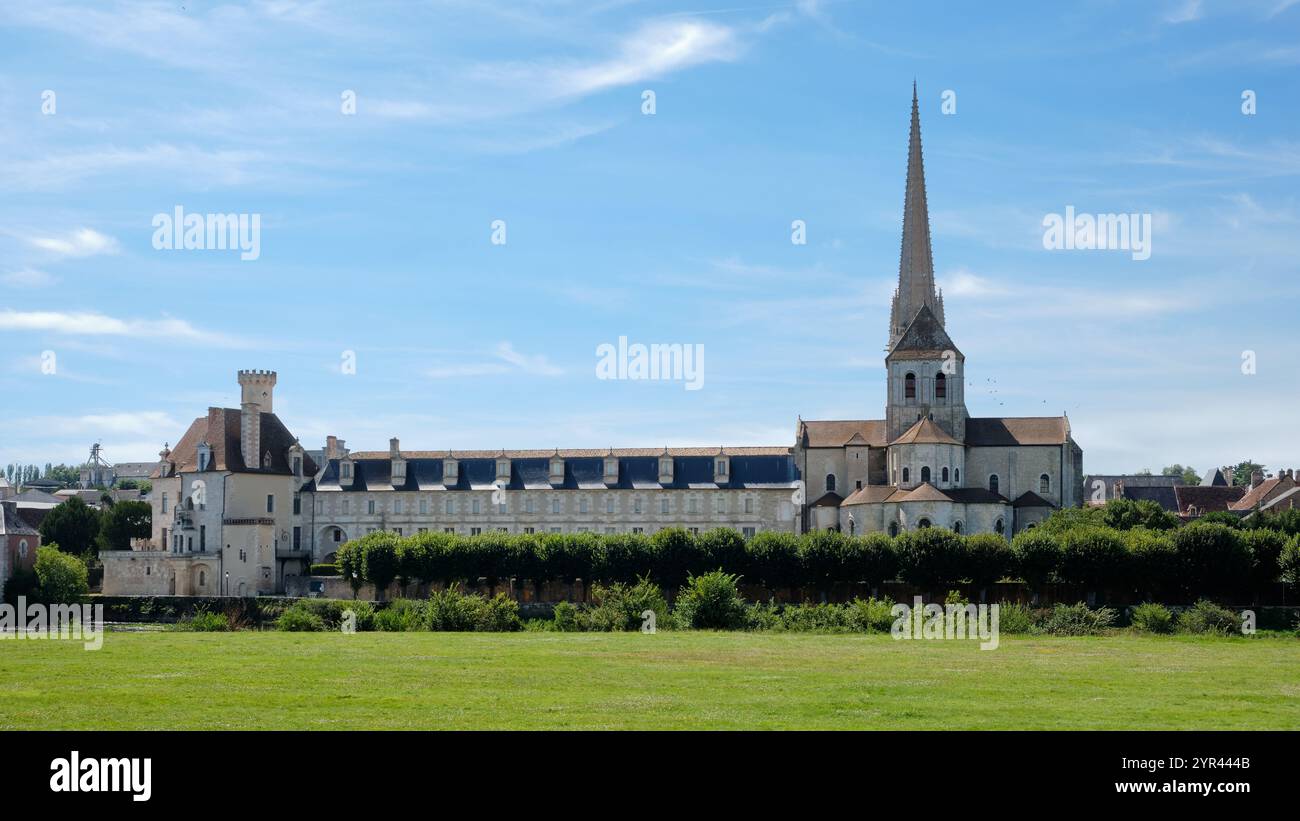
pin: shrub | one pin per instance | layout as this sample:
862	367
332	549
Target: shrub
499	614
821	553
1153	618
1014	617
22	582
871	615
204	621
1124	514
930	557
1221	517
763	616
299	619
620	606
450	610
364	613
1093	557
379	558
710	602
401	616
677	556
871	559
1207	617
627	558
1036	556
986	557
1153	561
1212	558
62	579
1265	548
814	618
1078	620
1289	562
723	548
566	618
325	570
774	559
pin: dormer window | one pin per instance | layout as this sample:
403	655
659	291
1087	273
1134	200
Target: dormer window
346	469
399	469
503	469
611	468
720	467
450	471
557	470
266	460
205	456
665	469
297	466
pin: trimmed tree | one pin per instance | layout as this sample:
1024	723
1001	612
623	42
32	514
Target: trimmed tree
774	559
62	578
1213	559
930	557
871	559
1093	557
1036	558
987	558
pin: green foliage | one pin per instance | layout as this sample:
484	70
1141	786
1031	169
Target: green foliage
1265	548
1077	620
61	579
774	559
871	559
21	582
723	547
204	621
324	570
987	558
1124	514
379	559
400	616
123	522
1221	517
710	601
299	619
813	618
1288	562
74	525
677	556
566	618
870	615
1152	618
1286	521
822	554
627	558
1071	518
348	558
1153	561
1207	617
1036	556
930	557
1015	618
451	610
1212	558
620	606
1093	557
1241	472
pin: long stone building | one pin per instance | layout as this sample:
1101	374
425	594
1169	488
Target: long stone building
239	505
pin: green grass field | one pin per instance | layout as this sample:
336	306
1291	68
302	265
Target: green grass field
266	680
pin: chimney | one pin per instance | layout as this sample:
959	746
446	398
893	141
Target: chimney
394	450
256	388
1256	479
331	447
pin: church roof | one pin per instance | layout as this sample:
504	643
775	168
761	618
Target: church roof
915	262
837	433
1017	430
925	338
925	492
829	499
925	432
1031	499
873	494
1214	478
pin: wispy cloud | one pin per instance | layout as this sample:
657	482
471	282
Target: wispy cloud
505	359
27	278
90	323
83	242
1185	12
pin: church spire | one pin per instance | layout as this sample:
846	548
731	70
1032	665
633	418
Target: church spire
915	265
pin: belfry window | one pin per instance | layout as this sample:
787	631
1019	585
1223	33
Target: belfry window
925	473
993	483
1044	484
944	474
909	386
907	475
830	483
940	387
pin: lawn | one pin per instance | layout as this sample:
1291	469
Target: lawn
267	680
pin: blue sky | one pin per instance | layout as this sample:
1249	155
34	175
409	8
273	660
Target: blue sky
673	227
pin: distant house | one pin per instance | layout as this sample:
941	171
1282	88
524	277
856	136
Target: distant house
18	541
1264	492
1099	489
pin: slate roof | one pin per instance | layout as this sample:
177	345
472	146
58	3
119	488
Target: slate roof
12	523
220	429
1214	477
1031	499
1164	495
925	338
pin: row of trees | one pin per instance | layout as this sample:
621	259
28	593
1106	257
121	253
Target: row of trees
1199	560
81	530
66	475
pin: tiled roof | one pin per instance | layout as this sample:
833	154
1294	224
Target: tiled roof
1257	494
872	495
837	433
220	429
1206	499
877	494
924	338
924	492
570	453
1017	430
925	432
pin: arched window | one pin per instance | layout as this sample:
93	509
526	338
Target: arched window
956	475
924	523
909	386
1044	484
907	475
22	549
998	527
925	473
945	474
993	483
941	387
956	528
830	483
893	528
203	578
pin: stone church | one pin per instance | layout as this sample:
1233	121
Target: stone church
929	463
239	506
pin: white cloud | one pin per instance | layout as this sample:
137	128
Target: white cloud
83	242
535	364
1186	12
963	282
508	360
27	278
89	323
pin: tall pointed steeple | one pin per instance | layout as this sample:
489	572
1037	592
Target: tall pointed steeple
915	264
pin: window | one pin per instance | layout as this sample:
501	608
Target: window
944	474
22	549
940	387
749	504
692	505
530	505
924	523
347	470
476	506
501	507
424	507
893	528
530	530
397	505
998	527
297	466
747	532
1044	484
925	473
346	506
475	531
956	475
338	535
270	503
609	505
297	538
609	531
320	507
203	538
722	467
665	505
164	503
449	530
370	506
956	528
555	505
907	475
722	504
666	467
450	507
909	386
636	505
503	467
830	483
203	578
297	505
582	505
993	483
638	530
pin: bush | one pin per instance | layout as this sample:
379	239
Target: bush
774	559
299	619
1288	562
1153	561
401	616
22	582
677	556
1152	618
620	606
1212	559
379	558
628	557
364	613
871	559
986	558
324	570
451	610
930	557
348	559
566	618
1036	556
204	621
1124	514
821	553
1014	618
1206	617
871	615
1093	557
723	548
814	618
1077	620
710	602
62	579
1265	548
499	614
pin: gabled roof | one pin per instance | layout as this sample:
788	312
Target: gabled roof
925	432
1206	499
1260	493
872	495
829	499
924	492
1031	499
1214	477
12	523
1017	430
924	338
220	429
840	432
